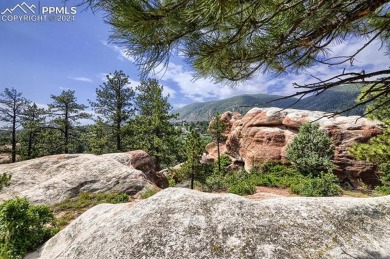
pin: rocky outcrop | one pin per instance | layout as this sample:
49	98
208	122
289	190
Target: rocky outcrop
51	179
264	133
181	223
140	160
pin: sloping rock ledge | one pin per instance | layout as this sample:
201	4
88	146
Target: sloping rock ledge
181	223
52	179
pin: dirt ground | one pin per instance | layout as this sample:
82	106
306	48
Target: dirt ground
269	193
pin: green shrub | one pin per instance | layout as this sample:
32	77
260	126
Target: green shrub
311	150
184	173
5	180
214	182
225	162
323	186
23	227
69	209
276	175
384	178
242	188
171	181
149	193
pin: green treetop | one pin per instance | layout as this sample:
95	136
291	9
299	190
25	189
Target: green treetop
152	126
233	40
114	101
66	112
12	106
33	122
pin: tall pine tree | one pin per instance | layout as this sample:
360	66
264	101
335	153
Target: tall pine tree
216	129
114	101
66	112
12	105
194	151
33	123
152	126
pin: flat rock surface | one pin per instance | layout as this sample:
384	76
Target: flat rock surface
51	179
182	223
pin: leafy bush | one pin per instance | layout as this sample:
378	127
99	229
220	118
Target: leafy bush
171	181
214	182
69	209
149	193
384	178
323	186
184	173
23	227
276	175
5	180
311	150
242	188
225	162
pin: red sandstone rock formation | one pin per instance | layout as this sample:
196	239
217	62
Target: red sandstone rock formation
264	133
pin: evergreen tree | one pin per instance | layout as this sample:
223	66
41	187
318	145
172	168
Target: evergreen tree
194	150
152	127
12	105
66	112
234	40
114	101
378	149
311	150
98	137
33	123
216	129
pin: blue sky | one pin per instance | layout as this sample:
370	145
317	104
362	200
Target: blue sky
44	58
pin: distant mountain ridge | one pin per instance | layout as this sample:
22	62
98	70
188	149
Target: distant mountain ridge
333	100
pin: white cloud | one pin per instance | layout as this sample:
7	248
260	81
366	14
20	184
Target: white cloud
169	91
123	55
81	78
179	82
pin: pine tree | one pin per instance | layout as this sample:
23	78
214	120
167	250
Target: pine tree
66	112
33	123
216	129
378	149
152	126
12	105
194	151
311	150
233	40
98	136
114	101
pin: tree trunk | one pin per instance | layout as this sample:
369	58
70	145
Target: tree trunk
118	137
29	147
192	177
219	156
13	154
66	132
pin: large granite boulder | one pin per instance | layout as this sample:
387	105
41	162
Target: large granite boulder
51	179
181	223
263	134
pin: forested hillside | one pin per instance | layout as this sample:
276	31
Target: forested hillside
333	100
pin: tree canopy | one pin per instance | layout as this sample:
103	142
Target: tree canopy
12	106
152	125
233	40
114	101
66	112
